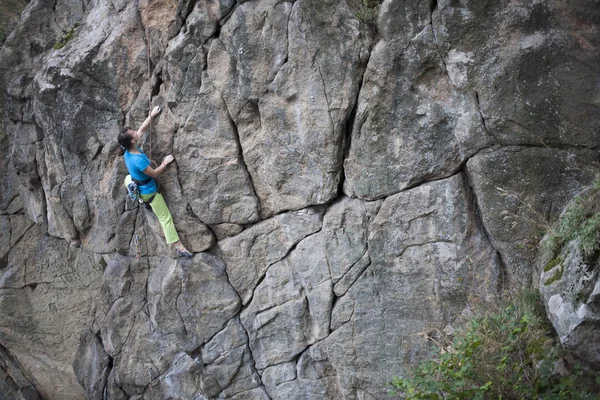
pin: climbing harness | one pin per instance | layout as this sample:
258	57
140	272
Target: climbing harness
133	190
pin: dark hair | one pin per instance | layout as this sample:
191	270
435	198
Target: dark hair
125	139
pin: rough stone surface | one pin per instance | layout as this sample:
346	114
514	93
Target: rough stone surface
15	382
249	254
570	287
47	296
517	206
409	113
347	184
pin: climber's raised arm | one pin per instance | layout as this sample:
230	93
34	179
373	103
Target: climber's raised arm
146	124
154	173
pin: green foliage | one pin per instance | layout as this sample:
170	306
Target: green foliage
64	39
502	354
367	11
589	234
552	263
581	221
556	277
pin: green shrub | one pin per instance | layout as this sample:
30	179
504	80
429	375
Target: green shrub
556	277
552	263
367	11
580	221
501	354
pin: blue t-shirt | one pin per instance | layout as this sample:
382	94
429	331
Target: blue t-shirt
136	164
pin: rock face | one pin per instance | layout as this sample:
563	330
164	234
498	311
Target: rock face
348	186
571	291
570	280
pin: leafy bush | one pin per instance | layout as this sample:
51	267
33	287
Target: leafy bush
504	353
366	11
580	221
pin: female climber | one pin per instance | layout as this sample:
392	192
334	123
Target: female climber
138	165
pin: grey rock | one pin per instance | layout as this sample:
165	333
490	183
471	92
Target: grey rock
91	366
190	300
342	286
12	229
113	391
253	394
524	60
228	367
47	299
312	377
249	254
570	287
272	110
212	172
15	382
427	248
160	316
123	291
180	381
516	206
223	231
291	307
345	232
277	117
412	124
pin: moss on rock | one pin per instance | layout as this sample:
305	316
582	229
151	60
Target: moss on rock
556	277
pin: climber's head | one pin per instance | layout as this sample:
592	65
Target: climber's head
126	139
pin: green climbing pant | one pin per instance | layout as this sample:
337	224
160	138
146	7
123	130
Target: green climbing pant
164	216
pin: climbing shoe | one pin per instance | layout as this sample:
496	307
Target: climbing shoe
184	254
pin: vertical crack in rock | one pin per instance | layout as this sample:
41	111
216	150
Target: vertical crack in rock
184	13
134	223
237	370
483	122
286	40
240	150
145	307
155	82
433	8
252	358
476	215
109	369
141	22
4	261
346	142
185	331
325	95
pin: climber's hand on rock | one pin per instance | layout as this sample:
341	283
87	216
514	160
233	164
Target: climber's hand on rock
155	111
168	159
